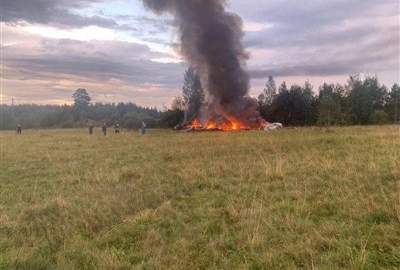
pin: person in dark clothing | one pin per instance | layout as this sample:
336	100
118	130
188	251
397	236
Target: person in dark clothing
142	130
19	129
116	129
91	127
104	129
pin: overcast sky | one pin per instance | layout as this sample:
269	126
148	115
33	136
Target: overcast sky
121	52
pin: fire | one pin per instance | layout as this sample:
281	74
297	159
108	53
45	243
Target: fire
196	124
227	125
211	125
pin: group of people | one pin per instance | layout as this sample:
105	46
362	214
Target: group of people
117	129
104	128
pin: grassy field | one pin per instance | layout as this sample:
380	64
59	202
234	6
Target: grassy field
293	199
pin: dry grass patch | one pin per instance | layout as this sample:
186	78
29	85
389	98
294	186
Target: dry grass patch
292	199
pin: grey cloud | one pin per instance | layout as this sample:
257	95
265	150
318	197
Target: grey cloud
97	60
307	38
334	67
279	37
371	59
322	38
305	23
48	70
326	56
53	12
60	13
100	69
148	27
312	13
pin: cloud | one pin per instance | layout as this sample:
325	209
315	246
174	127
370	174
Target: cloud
53	12
370	54
103	60
312	13
322	38
123	70
128	59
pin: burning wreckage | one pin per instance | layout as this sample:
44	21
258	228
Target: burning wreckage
211	42
196	125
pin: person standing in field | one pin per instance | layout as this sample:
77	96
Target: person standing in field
19	129
116	129
91	127
104	129
143	128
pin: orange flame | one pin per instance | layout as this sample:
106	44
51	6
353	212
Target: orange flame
196	124
228	125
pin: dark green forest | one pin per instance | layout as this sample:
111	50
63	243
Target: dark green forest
128	115
361	101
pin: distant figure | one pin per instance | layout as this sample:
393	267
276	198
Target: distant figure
91	127
142	130
19	129
116	129
104	129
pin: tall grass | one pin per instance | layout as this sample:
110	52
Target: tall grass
292	199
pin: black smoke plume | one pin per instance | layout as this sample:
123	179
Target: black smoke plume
210	40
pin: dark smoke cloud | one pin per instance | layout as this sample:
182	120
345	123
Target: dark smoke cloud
211	42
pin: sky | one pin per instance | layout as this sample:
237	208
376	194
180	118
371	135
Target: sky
121	52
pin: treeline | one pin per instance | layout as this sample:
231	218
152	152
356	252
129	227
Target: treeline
128	115
359	102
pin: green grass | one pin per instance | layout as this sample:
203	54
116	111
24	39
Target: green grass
293	199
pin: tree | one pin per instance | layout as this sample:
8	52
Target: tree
177	116
281	105
296	106
301	105
310	104
193	94
283	88
172	118
81	98
133	120
269	91
393	104
366	97
266	98
81	103
178	104
331	105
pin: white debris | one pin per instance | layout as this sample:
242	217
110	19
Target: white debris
273	126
